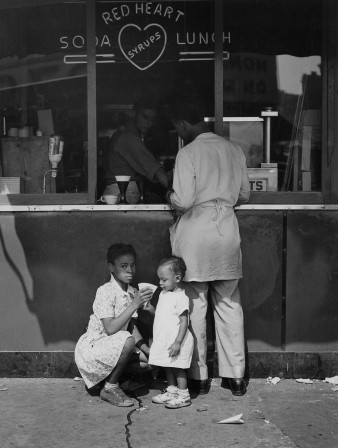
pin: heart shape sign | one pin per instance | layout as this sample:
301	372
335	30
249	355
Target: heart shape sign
142	47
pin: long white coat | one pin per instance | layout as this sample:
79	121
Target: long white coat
210	177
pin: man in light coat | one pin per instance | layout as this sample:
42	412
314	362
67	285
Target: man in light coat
210	178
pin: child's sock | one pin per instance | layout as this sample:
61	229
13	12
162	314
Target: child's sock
172	389
110	386
184	393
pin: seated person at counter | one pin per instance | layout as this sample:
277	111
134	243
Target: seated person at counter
128	154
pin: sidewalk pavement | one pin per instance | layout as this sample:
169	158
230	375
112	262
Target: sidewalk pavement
59	413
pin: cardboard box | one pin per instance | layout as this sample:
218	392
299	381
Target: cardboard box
263	179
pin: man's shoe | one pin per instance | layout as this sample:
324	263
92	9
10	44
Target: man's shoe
225	383
200	387
236	385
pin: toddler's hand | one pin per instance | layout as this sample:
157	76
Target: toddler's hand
174	349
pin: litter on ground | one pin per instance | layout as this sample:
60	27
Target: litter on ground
304	380
234	419
332	380
273	381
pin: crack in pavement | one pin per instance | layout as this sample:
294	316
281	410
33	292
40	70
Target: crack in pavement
130	422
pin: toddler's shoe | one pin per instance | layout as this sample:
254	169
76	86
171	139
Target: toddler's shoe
179	401
169	394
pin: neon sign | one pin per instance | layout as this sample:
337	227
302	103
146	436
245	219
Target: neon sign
142	33
157	39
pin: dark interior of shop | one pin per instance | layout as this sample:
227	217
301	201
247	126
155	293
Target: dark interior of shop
39	42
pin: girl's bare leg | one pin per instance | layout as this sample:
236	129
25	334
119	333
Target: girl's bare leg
127	352
171	377
138	363
181	378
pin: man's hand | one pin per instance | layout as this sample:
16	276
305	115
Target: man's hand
161	177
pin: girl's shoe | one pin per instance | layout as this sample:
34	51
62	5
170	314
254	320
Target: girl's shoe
116	397
169	394
179	401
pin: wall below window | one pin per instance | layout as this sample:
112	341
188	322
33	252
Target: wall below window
51	264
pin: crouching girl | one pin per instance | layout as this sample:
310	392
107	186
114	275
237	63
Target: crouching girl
107	347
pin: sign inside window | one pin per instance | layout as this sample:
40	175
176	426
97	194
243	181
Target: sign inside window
145	33
263	179
258	185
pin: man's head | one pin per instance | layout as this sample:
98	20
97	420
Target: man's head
145	113
187	117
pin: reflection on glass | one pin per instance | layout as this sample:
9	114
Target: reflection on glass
274	61
157	48
41	94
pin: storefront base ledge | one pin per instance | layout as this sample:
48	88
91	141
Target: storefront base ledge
259	364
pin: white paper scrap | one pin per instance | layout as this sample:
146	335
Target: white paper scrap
304	380
273	381
332	380
234	419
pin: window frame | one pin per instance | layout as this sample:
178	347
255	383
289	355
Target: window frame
285	197
328	108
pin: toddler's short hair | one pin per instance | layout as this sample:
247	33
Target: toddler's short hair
119	249
176	265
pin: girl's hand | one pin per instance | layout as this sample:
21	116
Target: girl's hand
174	349
145	349
142	297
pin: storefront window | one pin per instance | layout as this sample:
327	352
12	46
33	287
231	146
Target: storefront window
272	81
155	48
272	58
43	92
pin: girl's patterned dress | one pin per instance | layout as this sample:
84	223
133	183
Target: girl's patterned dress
97	353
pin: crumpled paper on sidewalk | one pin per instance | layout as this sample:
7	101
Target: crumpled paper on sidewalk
332	380
304	380
234	419
273	381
